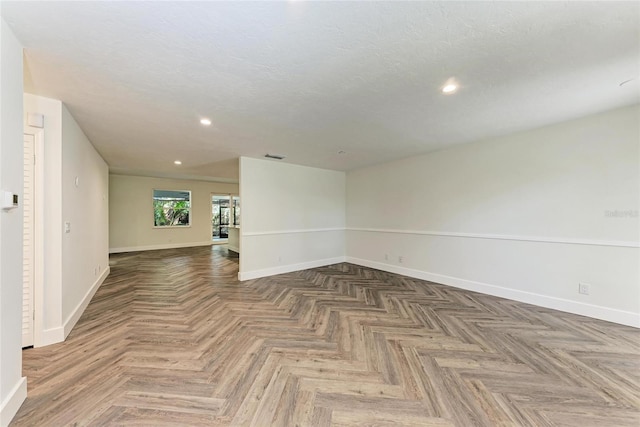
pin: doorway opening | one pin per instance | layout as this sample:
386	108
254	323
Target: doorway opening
220	217
225	214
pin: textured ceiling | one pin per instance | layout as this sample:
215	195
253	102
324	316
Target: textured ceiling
308	79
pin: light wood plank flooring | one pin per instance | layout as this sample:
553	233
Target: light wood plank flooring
172	338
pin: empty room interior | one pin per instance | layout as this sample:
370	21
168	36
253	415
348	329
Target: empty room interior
305	213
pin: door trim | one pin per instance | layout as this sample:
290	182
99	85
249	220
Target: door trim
38	233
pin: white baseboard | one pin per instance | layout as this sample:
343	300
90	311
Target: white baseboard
156	247
50	336
248	275
233	248
12	402
598	312
82	305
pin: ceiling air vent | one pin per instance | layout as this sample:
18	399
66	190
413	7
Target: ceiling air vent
274	156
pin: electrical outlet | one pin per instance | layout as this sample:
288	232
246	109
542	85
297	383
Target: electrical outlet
583	288
386	257
400	259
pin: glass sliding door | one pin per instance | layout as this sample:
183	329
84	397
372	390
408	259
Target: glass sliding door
225	213
220	216
236	210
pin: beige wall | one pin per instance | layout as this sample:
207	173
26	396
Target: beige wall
131	213
85	249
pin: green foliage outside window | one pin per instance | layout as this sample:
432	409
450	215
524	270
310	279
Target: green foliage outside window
171	208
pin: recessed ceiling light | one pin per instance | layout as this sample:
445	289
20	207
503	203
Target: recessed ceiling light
205	122
450	88
177	162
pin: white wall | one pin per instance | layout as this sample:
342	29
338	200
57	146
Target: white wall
131	213
522	216
292	217
85	192
75	263
234	239
13	387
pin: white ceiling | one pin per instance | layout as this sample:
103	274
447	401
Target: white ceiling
307	79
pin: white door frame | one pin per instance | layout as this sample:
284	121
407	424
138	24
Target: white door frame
38	234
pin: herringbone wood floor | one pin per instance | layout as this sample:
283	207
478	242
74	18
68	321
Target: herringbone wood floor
172	338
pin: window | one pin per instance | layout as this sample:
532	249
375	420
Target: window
171	208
